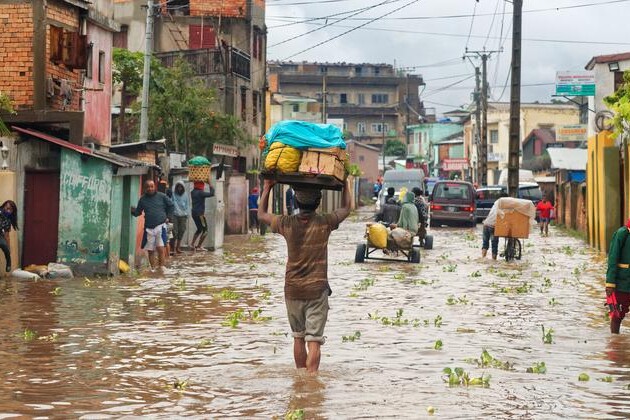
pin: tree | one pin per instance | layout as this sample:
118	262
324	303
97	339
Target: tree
619	102
395	148
127	71
5	106
183	110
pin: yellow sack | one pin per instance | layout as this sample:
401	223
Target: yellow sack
377	235
283	158
123	266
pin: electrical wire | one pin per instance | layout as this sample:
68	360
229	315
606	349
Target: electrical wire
352	30
309	3
494	15
443	88
472	21
318	18
330	24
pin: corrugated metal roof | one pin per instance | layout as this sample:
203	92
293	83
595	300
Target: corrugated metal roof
608	58
569	159
107	156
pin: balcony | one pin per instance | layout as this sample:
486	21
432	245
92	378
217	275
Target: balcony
209	61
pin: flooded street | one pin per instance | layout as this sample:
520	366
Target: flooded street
210	338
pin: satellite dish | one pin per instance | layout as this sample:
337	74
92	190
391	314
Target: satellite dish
603	121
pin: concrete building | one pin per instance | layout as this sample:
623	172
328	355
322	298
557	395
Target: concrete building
608	71
370	98
425	138
533	116
224	41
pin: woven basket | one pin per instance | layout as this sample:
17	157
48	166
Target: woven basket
199	173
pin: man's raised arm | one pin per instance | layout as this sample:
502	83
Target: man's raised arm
263	215
346	200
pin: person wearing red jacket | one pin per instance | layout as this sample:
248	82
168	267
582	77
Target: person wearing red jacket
544	208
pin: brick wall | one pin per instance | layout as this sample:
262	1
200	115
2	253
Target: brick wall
16	55
60	14
226	8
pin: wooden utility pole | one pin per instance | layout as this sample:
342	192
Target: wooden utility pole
407	106
146	74
324	98
515	101
477	133
383	133
483	156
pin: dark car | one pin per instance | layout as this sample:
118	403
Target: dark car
486	196
453	202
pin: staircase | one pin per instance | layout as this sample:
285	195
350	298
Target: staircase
176	32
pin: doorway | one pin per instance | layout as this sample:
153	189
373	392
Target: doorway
41	217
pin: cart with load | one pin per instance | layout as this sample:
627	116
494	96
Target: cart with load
395	243
512	218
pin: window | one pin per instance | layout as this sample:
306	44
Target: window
494	136
490	148
361	127
357	71
323	69
377	71
452	191
296	108
378	128
255	105
243	104
361	158
89	66
101	66
361	98
201	37
68	48
380	98
257	43
343	98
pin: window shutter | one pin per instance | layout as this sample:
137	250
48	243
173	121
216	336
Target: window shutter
79	52
56	44
66	51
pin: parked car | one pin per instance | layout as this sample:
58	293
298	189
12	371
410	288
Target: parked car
486	196
452	202
398	179
429	183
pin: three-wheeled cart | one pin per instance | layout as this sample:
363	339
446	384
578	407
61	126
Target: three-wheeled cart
365	251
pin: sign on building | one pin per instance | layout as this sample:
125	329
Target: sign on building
455	164
575	83
225	150
573	132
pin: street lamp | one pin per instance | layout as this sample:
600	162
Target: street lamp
4	151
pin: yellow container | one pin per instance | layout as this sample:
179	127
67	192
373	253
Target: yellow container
377	235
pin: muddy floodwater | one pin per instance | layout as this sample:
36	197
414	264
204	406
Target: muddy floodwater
209	337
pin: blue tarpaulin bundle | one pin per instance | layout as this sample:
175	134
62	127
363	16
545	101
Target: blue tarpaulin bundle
303	135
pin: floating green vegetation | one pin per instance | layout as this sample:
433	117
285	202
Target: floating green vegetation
87	282
252	267
443	256
431	410
384	268
256	316
475	274
553	302
56	291
486	360
469	236
583	377
538	367
400	276
438	345
227	294
396	321
180	283
352	337
233	318
256	238
577	272
437	321
547	335
295	415
265	295
422	282
180	385
363	284
205	342
458	376
606	379
567	249
449	268
546	283
50	337
29	335
452	300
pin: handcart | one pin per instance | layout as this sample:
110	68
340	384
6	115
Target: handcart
514	217
365	251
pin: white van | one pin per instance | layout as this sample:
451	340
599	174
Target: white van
398	179
524	175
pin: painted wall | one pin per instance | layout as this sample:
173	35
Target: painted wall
97	102
84	213
423	135
604	86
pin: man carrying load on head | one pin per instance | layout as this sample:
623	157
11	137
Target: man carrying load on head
306	287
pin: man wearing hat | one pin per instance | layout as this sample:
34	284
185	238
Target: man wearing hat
306	287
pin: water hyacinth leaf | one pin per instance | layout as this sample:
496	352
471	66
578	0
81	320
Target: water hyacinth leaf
583	377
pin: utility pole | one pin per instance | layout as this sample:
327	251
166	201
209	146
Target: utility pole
324	98
383	136
407	106
483	156
515	101
477	133
146	74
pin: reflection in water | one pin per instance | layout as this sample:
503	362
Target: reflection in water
209	337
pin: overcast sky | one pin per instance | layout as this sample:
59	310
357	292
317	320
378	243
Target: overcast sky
557	35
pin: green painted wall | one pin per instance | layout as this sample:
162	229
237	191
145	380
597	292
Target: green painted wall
84	212
115	226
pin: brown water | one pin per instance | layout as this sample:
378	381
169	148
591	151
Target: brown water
156	345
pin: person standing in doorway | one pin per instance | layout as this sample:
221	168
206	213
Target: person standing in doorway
252	203
306	287
544	207
158	210
199	195
618	277
289	200
8	220
182	208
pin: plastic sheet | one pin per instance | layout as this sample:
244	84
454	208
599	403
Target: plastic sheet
303	135
499	208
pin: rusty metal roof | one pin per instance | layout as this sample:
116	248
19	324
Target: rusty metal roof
117	160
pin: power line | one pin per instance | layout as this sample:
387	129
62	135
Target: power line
494	15
330	24
440	89
319	18
352	29
313	3
472	21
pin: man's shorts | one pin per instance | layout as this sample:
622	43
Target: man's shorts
545	220
623	302
307	318
154	237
